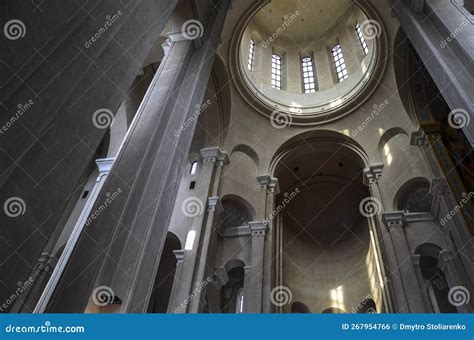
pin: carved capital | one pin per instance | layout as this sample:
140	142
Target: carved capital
258	228
418	137
395	219
214	204
269	183
179	254
373	173
214	155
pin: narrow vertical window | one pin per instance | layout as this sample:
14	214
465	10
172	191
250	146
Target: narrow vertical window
309	78
362	41
276	71
339	63
251	54
193	168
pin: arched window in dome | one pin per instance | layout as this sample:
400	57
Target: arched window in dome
308	75
339	63
362	41
276	71
251	54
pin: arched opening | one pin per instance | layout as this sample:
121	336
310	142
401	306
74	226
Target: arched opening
414	196
299	308
327	252
333	310
232	293
165	276
434	278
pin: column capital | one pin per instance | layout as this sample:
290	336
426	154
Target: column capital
104	165
179	254
258	228
269	183
394	219
214	155
415	258
373	173
418	137
214	204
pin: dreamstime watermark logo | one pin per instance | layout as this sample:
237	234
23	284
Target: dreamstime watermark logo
370	206
102	118
20	289
281	295
103	296
288	197
199	110
458	296
465	200
21	109
192	207
14	207
14	29
196	291
459	118
361	306
192	29
110	20
287	21
110	197
453	34
371	28
280	120
377	109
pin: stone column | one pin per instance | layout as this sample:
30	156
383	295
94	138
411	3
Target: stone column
395	222
392	287
421	282
123	246
247	289
270	188
193	270
85	218
172	307
255	288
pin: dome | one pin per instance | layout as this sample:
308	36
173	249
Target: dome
310	60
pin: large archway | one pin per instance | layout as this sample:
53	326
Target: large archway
326	252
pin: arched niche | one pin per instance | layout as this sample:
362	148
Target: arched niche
299	308
237	212
333	310
329	255
414	196
249	151
434	279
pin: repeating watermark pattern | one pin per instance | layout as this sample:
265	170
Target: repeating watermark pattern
199	110
288	197
281	295
22	286
465	200
280	120
14	29
459	118
458	296
370	207
371	28
192	207
287	21
109	21
103	296
21	109
196	291
14	207
361	305
377	109
453	34
192	29
102	118
110	197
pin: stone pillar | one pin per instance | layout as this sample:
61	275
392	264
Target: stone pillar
270	188
247	289
123	246
395	222
255	288
392	287
421	282
85	218
172	307
193	268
